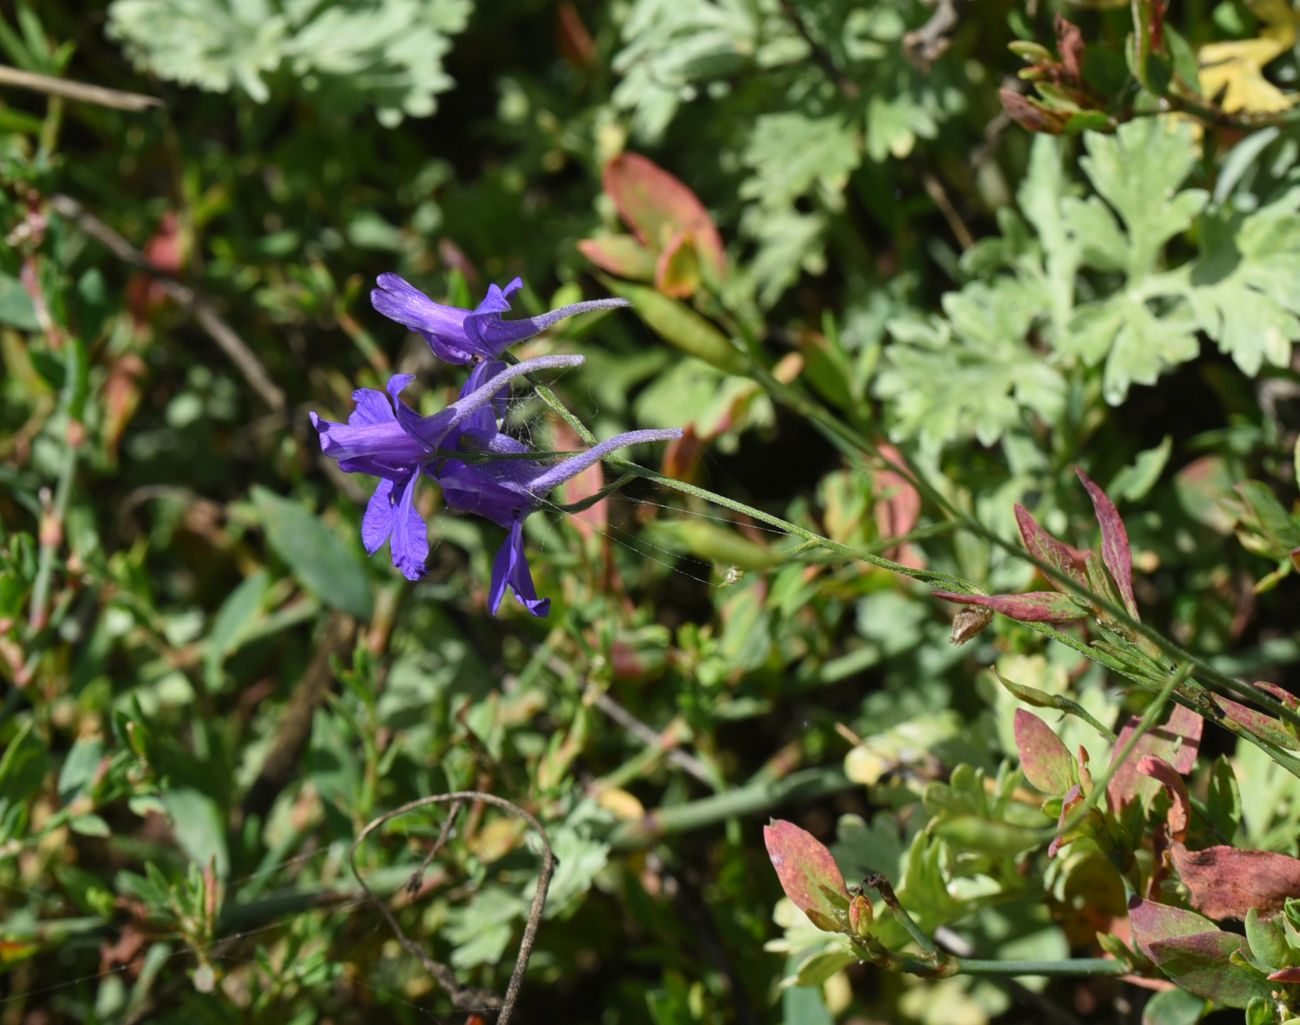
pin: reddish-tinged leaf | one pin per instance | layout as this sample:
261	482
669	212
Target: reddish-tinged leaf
1180	811
1177	742
1030	114
620	254
808	874
677	271
1152	922
594	519
897	508
681	459
1045	761
658	208
1045	548
1262	725
1034	607
1200	964
1287	975
1225	882
576	45
1115	551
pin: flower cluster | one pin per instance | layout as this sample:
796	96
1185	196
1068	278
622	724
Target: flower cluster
386	438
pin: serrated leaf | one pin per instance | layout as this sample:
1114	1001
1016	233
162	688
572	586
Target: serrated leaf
792	154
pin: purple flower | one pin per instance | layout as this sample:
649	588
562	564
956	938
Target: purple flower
506	490
387	439
457	335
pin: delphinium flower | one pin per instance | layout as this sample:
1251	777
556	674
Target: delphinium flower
387	439
457	335
505	490
480	469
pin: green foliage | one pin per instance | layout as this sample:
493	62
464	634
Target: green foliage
893	322
385	55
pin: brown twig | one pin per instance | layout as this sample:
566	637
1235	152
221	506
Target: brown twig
652	738
189	298
821	56
79	91
939	195
464	999
925	45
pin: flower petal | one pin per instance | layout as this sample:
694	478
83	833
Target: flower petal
410	540
377	523
442	326
511	567
373	407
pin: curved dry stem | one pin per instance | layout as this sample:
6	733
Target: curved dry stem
463	998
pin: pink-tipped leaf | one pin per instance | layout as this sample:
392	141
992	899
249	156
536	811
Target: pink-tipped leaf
659	208
1115	550
1034	607
808	874
1045	761
1045	548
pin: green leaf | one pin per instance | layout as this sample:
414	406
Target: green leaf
386	54
791	155
971	374
1174	1007
234	619
1241	288
317	556
199	826
1138	171
16	308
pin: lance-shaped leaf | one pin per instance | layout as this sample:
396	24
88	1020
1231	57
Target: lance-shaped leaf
1045	761
1260	724
1180	810
1115	551
660	208
808	874
1176	742
1034	607
1045	548
1225	882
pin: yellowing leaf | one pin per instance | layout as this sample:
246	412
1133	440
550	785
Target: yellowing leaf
1234	71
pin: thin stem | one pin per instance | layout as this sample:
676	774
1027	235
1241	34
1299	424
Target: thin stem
1084	966
753	797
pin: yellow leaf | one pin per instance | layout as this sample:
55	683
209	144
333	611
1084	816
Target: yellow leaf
1233	72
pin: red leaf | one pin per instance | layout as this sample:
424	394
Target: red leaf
1030	114
1115	551
620	254
1045	548
658	208
896	508
1225	882
1290	976
1034	607
1073	798
1044	759
1180	812
1259	723
808	874
1177	742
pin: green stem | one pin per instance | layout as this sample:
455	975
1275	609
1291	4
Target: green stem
753	797
1084	966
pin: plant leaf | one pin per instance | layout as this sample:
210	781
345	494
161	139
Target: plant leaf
1115	550
1045	548
1034	607
808	874
658	208
1225	882
1045	761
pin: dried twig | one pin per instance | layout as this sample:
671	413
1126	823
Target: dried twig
79	91
198	304
925	45
652	738
464	999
